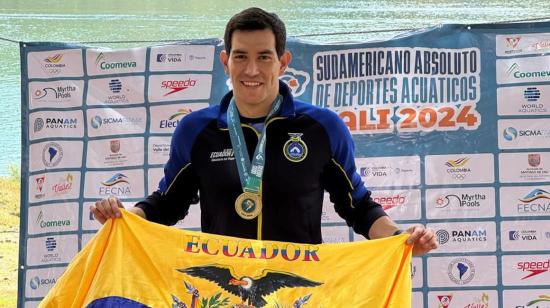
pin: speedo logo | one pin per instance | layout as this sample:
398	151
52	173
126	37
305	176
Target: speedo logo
534	267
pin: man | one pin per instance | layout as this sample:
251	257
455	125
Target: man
262	160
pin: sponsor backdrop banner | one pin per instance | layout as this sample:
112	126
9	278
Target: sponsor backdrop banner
451	124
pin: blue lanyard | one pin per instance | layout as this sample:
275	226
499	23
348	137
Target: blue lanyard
250	173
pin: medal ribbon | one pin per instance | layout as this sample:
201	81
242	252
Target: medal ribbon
250	173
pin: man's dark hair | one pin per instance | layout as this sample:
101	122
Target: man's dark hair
256	19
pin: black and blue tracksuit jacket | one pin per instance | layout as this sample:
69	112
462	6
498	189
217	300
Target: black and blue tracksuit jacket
202	163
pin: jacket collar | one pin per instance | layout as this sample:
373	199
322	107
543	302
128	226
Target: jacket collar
287	108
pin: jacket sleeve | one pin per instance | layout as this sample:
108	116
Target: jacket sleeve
178	189
352	200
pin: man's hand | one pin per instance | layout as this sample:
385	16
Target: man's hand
422	238
106	208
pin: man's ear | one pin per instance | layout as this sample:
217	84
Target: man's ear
285	61
224	58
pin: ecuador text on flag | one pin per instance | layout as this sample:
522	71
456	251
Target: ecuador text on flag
135	263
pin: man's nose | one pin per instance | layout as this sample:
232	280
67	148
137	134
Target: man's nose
251	68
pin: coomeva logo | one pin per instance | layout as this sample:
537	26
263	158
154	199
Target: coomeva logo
103	63
515	71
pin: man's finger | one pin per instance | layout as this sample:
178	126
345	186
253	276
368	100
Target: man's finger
97	214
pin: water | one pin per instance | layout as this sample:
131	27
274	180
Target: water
129	20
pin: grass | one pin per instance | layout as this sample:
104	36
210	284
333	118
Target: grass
9	237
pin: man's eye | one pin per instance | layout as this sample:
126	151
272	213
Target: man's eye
265	58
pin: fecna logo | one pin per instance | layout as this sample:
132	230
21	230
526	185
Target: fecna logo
444	300
52	153
115	179
515	71
442	236
513	41
389	202
175	86
461	271
457	168
535	194
533	267
531	94
174	119
102	62
510	133
116	185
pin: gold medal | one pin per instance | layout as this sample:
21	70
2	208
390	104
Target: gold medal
248	205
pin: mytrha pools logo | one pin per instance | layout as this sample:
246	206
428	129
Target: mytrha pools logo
103	63
58	92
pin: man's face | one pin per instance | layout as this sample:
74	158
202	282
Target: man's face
254	69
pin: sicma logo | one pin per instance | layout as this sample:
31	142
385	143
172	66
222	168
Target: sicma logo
510	133
533	267
36	282
175	86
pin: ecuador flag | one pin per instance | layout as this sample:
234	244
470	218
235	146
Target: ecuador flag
135	263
